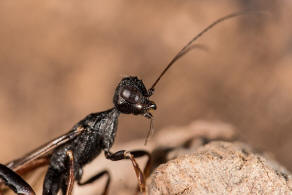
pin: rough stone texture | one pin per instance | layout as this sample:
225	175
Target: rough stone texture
221	168
176	140
195	164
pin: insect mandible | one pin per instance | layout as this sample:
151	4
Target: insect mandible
67	154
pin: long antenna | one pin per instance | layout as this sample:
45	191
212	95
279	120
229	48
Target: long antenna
187	47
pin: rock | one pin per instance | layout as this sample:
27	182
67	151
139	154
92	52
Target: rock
221	168
179	141
189	161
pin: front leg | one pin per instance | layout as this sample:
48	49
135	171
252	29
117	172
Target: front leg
123	154
71	178
57	178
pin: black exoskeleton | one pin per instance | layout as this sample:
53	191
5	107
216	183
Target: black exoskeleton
131	97
67	154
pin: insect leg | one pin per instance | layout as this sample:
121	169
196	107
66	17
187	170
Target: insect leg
60	175
148	166
123	154
14	181
141	153
96	177
52	181
70	181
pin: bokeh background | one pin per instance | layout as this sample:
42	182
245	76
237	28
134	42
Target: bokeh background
60	60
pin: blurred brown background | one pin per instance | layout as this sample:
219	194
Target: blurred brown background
61	60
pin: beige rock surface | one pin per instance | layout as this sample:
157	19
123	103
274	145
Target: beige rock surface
189	161
175	140
221	168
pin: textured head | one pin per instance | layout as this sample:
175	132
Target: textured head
132	97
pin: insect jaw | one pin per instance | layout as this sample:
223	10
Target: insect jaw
151	106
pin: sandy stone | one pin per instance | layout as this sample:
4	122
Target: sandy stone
221	168
189	161
123	176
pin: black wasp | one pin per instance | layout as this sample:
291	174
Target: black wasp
67	154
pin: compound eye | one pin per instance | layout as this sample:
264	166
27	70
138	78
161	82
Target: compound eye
131	95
